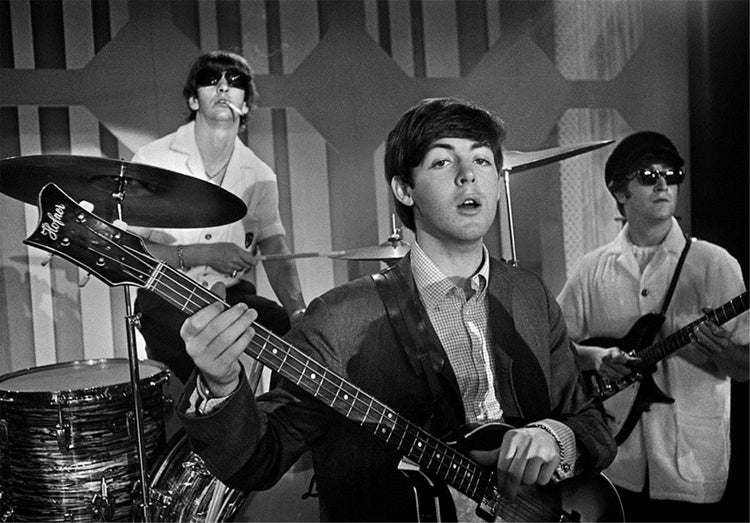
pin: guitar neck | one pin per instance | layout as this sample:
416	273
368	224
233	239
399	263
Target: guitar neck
430	453
675	341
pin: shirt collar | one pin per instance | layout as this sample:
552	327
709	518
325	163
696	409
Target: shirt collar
433	285
673	242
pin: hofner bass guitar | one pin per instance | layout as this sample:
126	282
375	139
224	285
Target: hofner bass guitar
120	258
626	398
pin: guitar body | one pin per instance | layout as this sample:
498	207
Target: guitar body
625	399
628	398
120	258
586	498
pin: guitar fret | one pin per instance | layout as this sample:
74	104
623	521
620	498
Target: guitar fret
392	418
321	378
351	405
367	413
401	441
336	396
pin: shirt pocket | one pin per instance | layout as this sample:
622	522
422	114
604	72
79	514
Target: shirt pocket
702	448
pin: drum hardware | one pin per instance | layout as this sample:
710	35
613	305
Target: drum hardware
102	503
518	161
392	250
151	194
155	197
92	473
62	431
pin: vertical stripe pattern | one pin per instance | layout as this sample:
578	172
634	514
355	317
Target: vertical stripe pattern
332	190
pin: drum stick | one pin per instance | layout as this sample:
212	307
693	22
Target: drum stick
277	257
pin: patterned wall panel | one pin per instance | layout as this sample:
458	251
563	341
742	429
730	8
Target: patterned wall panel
103	77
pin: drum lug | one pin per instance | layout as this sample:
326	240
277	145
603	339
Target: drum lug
7	515
130	423
102	504
168	406
62	431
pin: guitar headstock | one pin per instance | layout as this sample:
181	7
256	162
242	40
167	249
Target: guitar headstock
115	256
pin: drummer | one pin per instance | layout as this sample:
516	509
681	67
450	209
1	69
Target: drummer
219	93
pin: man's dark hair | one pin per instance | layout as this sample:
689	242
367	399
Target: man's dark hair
430	120
219	60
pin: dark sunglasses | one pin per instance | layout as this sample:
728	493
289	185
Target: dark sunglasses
651	176
234	77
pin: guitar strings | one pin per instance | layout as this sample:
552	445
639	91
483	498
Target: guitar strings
523	505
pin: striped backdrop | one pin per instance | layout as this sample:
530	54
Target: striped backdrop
103	77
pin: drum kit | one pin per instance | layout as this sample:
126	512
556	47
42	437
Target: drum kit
86	440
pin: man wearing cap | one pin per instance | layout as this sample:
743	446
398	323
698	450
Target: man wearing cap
674	464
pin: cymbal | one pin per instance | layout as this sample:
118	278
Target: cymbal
517	161
388	250
150	196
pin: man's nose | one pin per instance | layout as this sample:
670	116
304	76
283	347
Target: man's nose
223	84
661	182
465	174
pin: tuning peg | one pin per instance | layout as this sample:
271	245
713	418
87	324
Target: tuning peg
120	224
46	260
86	206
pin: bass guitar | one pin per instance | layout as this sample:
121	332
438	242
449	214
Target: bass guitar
626	398
120	258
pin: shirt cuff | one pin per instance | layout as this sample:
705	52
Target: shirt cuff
566	442
201	401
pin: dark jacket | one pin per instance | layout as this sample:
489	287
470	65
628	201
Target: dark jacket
250	445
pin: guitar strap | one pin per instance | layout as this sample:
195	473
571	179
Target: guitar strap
676	275
648	383
411	329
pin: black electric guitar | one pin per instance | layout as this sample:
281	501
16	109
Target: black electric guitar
626	398
120	258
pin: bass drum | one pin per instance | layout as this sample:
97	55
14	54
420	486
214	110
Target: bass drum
182	489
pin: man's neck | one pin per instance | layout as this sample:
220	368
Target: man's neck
457	262
215	142
648	234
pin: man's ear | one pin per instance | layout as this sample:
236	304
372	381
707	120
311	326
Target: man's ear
193	103
621	197
402	191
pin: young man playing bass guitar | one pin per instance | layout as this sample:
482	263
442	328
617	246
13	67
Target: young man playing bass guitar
673	463
446	337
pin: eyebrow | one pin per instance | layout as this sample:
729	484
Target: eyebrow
474	145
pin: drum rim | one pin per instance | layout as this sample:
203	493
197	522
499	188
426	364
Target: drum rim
160	376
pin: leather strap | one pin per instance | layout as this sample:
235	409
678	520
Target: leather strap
410	327
676	275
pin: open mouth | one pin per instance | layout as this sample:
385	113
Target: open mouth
470	203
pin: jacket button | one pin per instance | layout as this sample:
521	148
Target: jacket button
208	236
644	292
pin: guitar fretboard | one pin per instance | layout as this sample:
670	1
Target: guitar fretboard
675	341
430	453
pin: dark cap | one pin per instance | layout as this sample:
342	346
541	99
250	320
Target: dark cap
638	150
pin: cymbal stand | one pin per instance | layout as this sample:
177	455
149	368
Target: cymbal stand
132	321
506	184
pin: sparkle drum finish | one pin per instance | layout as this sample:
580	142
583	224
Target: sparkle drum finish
68	439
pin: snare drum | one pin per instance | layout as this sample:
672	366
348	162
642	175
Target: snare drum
182	489
68	439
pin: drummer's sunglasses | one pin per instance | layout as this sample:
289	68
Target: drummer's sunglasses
651	176
234	77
